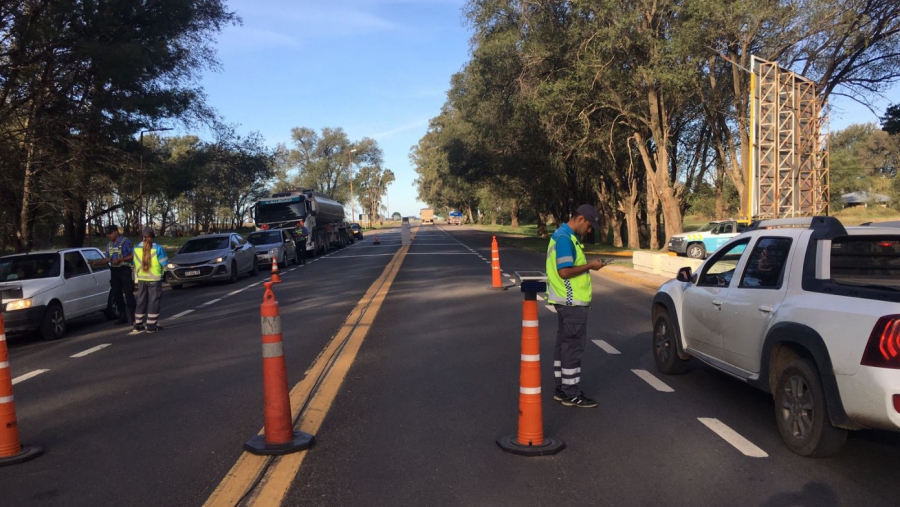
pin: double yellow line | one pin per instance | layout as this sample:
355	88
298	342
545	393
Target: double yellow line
264	480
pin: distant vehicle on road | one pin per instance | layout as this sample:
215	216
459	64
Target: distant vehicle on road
427	215
707	239
322	217
356	230
805	309
43	290
455	217
274	245
212	257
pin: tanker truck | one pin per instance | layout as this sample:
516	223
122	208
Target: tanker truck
322	216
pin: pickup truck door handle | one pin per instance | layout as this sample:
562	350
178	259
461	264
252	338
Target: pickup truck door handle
766	309
717	303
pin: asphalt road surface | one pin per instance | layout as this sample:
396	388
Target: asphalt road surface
408	408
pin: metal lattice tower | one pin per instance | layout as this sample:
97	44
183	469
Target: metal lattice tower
789	167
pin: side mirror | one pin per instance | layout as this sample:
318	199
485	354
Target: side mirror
684	275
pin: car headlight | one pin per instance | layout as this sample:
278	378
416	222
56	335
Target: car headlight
218	260
172	266
19	305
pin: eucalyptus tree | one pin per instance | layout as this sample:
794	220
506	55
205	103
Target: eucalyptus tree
78	79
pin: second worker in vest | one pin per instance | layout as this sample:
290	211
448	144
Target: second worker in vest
149	262
569	291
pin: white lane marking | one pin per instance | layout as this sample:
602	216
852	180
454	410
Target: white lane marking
657	384
550	307
292	269
740	443
182	314
214	301
234	292
253	285
31	374
91	350
609	349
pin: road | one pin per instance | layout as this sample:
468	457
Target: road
423	380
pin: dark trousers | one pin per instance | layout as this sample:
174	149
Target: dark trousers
147	313
301	252
571	335
121	285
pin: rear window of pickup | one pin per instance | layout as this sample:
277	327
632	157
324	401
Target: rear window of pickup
866	261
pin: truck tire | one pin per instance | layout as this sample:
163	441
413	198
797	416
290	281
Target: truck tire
665	346
696	251
801	412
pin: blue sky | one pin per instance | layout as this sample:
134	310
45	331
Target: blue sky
376	68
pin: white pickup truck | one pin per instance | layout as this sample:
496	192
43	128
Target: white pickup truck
805	309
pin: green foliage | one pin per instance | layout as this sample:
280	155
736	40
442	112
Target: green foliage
890	122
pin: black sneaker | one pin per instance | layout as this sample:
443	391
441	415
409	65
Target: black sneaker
558	395
579	401
154	329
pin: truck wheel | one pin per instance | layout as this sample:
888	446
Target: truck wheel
53	327
802	414
665	347
696	251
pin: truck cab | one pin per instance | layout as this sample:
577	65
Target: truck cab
707	239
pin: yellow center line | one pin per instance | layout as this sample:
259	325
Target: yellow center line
274	475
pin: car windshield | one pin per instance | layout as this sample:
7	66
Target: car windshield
205	245
29	267
355	227
264	238
871	261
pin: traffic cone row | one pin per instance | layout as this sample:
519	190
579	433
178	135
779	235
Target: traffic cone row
279	436
496	282
530	439
11	449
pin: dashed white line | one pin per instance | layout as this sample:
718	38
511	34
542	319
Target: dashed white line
182	314
214	301
27	376
91	350
550	307
657	384
609	349
234	292
740	443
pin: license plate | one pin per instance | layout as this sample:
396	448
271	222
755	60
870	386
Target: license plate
192	273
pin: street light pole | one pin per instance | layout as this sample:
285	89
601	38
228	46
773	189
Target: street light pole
141	175
350	167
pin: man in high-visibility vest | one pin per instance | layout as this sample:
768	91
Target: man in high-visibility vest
150	261
569	291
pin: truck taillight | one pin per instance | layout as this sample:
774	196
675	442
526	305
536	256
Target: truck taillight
883	349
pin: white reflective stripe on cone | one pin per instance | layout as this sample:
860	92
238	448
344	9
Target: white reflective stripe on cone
529	323
530	390
273	349
3	337
4	364
270	325
6	399
531	357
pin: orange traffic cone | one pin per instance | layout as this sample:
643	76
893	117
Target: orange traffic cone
496	282
279	436
276	278
11	450
375	241
530	439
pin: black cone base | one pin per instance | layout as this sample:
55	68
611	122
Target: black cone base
510	443
27	453
258	445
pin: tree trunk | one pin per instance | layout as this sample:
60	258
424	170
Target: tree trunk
542	225
514	221
653	215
